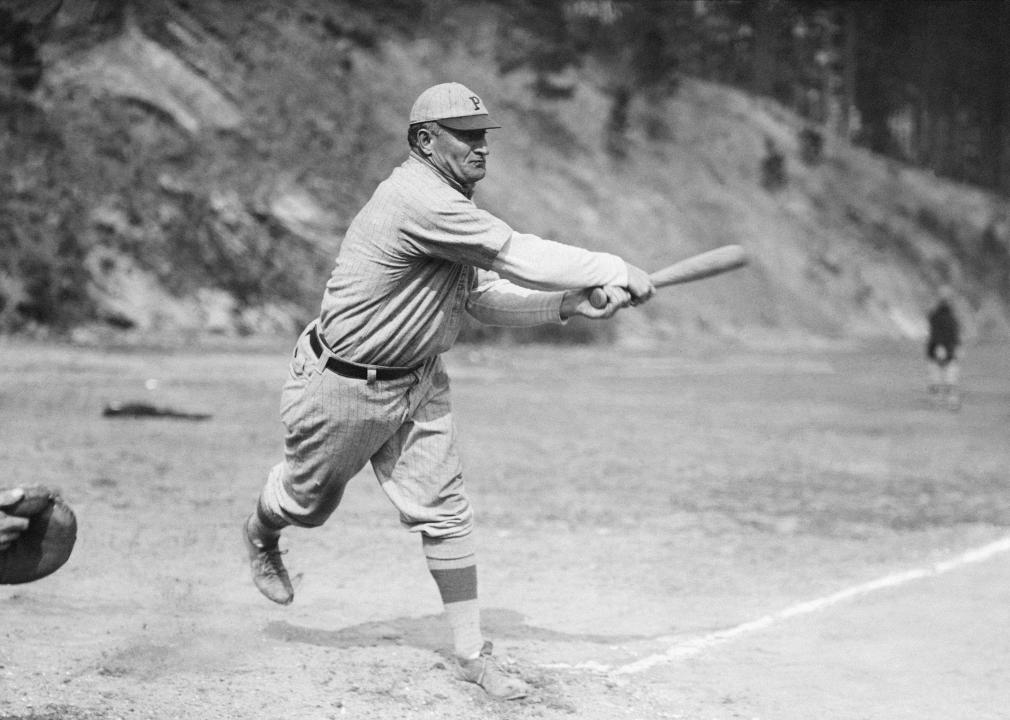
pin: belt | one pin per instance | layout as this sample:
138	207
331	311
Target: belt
353	370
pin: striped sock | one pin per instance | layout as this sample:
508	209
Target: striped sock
453	564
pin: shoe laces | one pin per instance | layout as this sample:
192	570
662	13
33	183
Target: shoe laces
488	659
271	558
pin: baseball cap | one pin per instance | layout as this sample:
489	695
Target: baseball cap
453	105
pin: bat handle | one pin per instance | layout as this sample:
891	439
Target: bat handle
598	298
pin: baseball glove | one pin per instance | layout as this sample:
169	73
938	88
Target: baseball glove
46	544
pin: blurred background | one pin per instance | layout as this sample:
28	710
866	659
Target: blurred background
185	170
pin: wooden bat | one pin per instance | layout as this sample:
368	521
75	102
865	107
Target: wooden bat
703	265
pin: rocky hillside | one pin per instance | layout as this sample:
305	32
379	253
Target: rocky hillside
191	167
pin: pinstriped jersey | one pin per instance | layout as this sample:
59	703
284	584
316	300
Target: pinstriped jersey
407	263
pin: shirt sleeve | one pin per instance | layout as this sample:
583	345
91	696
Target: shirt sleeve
540	264
451	227
496	301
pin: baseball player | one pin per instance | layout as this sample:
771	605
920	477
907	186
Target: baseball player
366	382
943	349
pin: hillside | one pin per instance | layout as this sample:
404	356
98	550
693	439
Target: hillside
192	167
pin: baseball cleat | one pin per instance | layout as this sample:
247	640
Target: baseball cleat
483	670
268	571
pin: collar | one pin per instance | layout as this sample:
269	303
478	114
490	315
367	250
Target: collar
451	182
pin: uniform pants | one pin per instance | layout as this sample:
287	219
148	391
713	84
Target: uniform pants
336	425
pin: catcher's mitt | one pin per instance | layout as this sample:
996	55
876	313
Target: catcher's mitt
47	542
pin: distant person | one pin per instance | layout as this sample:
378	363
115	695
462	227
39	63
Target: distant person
943	350
773	167
366	382
11	526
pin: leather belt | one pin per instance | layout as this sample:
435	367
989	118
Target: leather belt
353	370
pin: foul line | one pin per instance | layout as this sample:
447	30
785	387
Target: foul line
698	645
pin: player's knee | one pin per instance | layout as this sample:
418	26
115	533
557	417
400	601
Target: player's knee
455	521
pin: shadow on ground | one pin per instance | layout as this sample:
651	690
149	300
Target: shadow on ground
429	632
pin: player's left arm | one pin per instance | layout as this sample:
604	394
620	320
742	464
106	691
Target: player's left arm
497	301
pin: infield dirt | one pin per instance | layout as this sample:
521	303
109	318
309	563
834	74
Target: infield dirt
625	502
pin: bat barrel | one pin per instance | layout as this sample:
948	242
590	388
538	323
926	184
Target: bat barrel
706	264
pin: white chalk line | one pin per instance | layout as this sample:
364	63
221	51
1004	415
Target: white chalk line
696	646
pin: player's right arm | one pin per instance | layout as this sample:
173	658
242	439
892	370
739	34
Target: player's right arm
449	226
541	264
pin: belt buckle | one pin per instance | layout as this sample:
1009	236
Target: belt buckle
371	375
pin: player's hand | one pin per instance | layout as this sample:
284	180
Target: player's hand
577	302
11	527
639	285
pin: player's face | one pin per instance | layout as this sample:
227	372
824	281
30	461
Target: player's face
461	154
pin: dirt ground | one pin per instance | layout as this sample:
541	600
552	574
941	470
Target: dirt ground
627	504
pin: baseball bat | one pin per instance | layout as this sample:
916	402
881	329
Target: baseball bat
703	265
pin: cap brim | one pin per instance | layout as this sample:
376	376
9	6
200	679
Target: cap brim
469	122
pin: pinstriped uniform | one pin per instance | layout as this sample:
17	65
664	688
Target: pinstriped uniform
400	284
366	381
336	425
401	281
